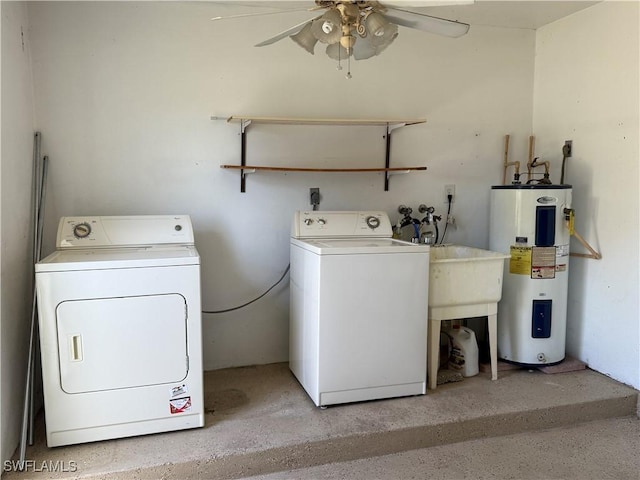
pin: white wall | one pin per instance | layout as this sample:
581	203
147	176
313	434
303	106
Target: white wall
124	95
586	90
15	201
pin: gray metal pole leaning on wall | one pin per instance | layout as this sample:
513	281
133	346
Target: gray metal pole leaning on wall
40	167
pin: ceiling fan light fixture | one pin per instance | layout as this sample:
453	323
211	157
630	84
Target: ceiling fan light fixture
364	49
362	28
305	39
328	28
383	46
376	24
336	51
347	41
388	35
350	11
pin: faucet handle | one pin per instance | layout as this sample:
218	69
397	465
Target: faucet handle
424	209
404	210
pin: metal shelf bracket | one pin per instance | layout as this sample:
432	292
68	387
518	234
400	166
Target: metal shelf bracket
387	156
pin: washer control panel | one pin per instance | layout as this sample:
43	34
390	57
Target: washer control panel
125	231
316	224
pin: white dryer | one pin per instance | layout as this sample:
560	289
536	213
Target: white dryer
358	318
120	328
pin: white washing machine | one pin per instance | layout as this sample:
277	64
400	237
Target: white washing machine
358	319
120	328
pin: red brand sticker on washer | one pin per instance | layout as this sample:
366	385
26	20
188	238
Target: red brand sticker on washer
180	405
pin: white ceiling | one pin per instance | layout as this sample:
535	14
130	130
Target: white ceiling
514	14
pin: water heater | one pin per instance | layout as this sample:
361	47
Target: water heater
529	222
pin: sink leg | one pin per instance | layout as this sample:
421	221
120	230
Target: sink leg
493	344
433	352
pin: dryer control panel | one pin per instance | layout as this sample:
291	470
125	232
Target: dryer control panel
334	224
124	231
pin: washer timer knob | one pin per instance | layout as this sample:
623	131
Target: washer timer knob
322	221
82	230
308	221
373	222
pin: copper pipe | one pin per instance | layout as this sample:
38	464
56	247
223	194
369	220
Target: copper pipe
532	141
545	163
534	164
507	163
506	159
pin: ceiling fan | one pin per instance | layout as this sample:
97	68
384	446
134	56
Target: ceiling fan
360	28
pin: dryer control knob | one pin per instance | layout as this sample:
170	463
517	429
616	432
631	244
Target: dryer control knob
322	221
308	221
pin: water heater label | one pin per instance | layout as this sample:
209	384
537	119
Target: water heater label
543	262
562	257
520	262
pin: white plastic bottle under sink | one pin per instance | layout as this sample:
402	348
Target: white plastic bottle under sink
464	351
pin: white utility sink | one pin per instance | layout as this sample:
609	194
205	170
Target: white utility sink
464	282
464	275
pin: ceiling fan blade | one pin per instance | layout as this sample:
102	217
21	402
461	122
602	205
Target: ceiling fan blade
277	5
260	14
286	33
425	3
426	23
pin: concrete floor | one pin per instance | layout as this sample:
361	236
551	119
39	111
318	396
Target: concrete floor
260	422
598	450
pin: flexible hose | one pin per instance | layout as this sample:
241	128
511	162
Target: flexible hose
250	301
564	161
450	198
416	231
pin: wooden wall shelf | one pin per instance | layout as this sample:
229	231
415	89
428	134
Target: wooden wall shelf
390	124
325	121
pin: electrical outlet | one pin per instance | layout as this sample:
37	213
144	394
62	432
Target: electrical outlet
449	190
567	150
314	196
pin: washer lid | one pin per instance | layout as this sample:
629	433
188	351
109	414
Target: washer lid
105	259
355	246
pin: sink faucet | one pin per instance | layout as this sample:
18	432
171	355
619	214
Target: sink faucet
407	219
428	235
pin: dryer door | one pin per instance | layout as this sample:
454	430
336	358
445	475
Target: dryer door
124	342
